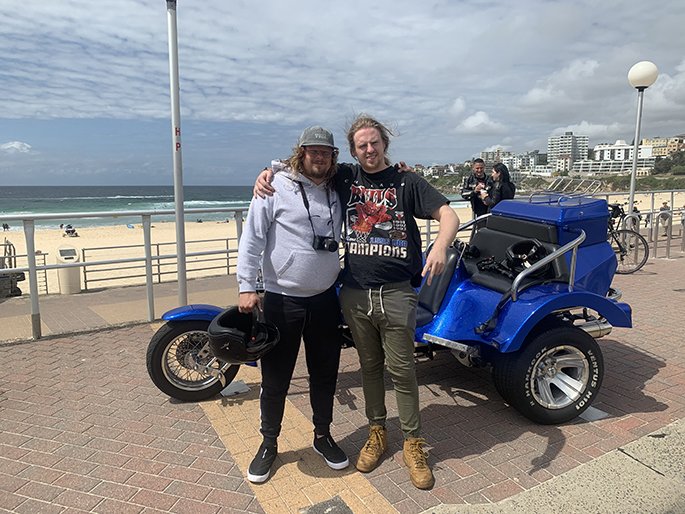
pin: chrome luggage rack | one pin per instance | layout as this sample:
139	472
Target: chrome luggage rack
566	188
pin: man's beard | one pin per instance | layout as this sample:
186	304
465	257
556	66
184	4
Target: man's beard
316	172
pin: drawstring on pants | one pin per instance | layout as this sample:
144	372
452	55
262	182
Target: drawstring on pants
380	297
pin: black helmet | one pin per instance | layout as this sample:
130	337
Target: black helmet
239	338
524	254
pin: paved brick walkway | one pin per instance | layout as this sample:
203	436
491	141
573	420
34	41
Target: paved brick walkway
84	430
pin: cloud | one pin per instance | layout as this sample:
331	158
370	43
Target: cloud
560	93
458	107
666	97
597	132
15	147
480	124
504	145
483	71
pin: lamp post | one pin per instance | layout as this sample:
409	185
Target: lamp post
178	167
640	76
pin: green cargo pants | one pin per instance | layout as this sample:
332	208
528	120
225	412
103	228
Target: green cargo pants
382	322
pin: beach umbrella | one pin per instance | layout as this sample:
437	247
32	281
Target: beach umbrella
176	149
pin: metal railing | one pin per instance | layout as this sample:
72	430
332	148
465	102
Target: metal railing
33	267
652	201
164	266
36	265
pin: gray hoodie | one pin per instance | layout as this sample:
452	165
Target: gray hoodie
279	227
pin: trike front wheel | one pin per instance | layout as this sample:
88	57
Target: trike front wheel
174	357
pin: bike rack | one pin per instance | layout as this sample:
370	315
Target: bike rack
635	222
668	216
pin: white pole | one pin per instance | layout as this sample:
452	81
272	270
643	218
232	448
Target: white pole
147	237
29	233
176	139
636	143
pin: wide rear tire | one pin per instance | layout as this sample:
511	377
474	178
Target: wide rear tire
555	376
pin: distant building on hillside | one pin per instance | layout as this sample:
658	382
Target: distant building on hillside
665	146
621	151
491	158
675	144
616	159
569	144
659	146
563	163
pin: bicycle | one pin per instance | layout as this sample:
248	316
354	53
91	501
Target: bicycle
631	249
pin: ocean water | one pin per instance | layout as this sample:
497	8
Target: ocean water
83	199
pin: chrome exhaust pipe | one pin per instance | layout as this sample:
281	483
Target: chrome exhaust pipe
596	328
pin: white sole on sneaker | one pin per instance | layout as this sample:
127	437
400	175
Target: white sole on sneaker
333	465
258	479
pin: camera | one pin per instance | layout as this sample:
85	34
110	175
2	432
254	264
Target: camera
325	243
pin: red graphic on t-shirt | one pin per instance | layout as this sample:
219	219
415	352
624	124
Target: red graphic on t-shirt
368	215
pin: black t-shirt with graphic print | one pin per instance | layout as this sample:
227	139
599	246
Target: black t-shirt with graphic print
382	238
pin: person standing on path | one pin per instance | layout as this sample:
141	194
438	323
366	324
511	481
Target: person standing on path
298	231
383	266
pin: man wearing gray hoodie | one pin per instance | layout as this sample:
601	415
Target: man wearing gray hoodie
298	232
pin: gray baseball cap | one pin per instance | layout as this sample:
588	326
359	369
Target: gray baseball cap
316	136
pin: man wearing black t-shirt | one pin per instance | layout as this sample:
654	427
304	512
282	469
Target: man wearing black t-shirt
383	264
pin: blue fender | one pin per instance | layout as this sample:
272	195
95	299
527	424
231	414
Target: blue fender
199	311
468	305
517	319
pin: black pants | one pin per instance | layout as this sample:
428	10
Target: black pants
316	320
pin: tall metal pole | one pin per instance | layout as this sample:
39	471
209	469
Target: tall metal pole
176	139
636	143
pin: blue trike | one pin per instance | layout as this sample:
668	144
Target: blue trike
532	315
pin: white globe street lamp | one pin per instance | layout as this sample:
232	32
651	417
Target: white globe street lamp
640	76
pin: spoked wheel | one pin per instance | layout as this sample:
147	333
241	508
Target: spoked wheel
554	378
176	359
631	250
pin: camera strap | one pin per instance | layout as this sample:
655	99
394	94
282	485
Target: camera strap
305	201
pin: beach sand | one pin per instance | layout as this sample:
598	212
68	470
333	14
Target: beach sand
118	242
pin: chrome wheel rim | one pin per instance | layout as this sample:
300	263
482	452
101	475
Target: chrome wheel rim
179	357
560	376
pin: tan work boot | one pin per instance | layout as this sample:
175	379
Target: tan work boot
415	459
376	446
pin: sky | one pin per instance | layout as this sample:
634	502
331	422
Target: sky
85	96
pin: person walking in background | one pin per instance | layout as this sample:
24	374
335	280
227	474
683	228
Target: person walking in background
501	187
298	231
663	219
473	184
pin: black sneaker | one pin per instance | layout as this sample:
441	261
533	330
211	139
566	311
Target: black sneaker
331	452
261	464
